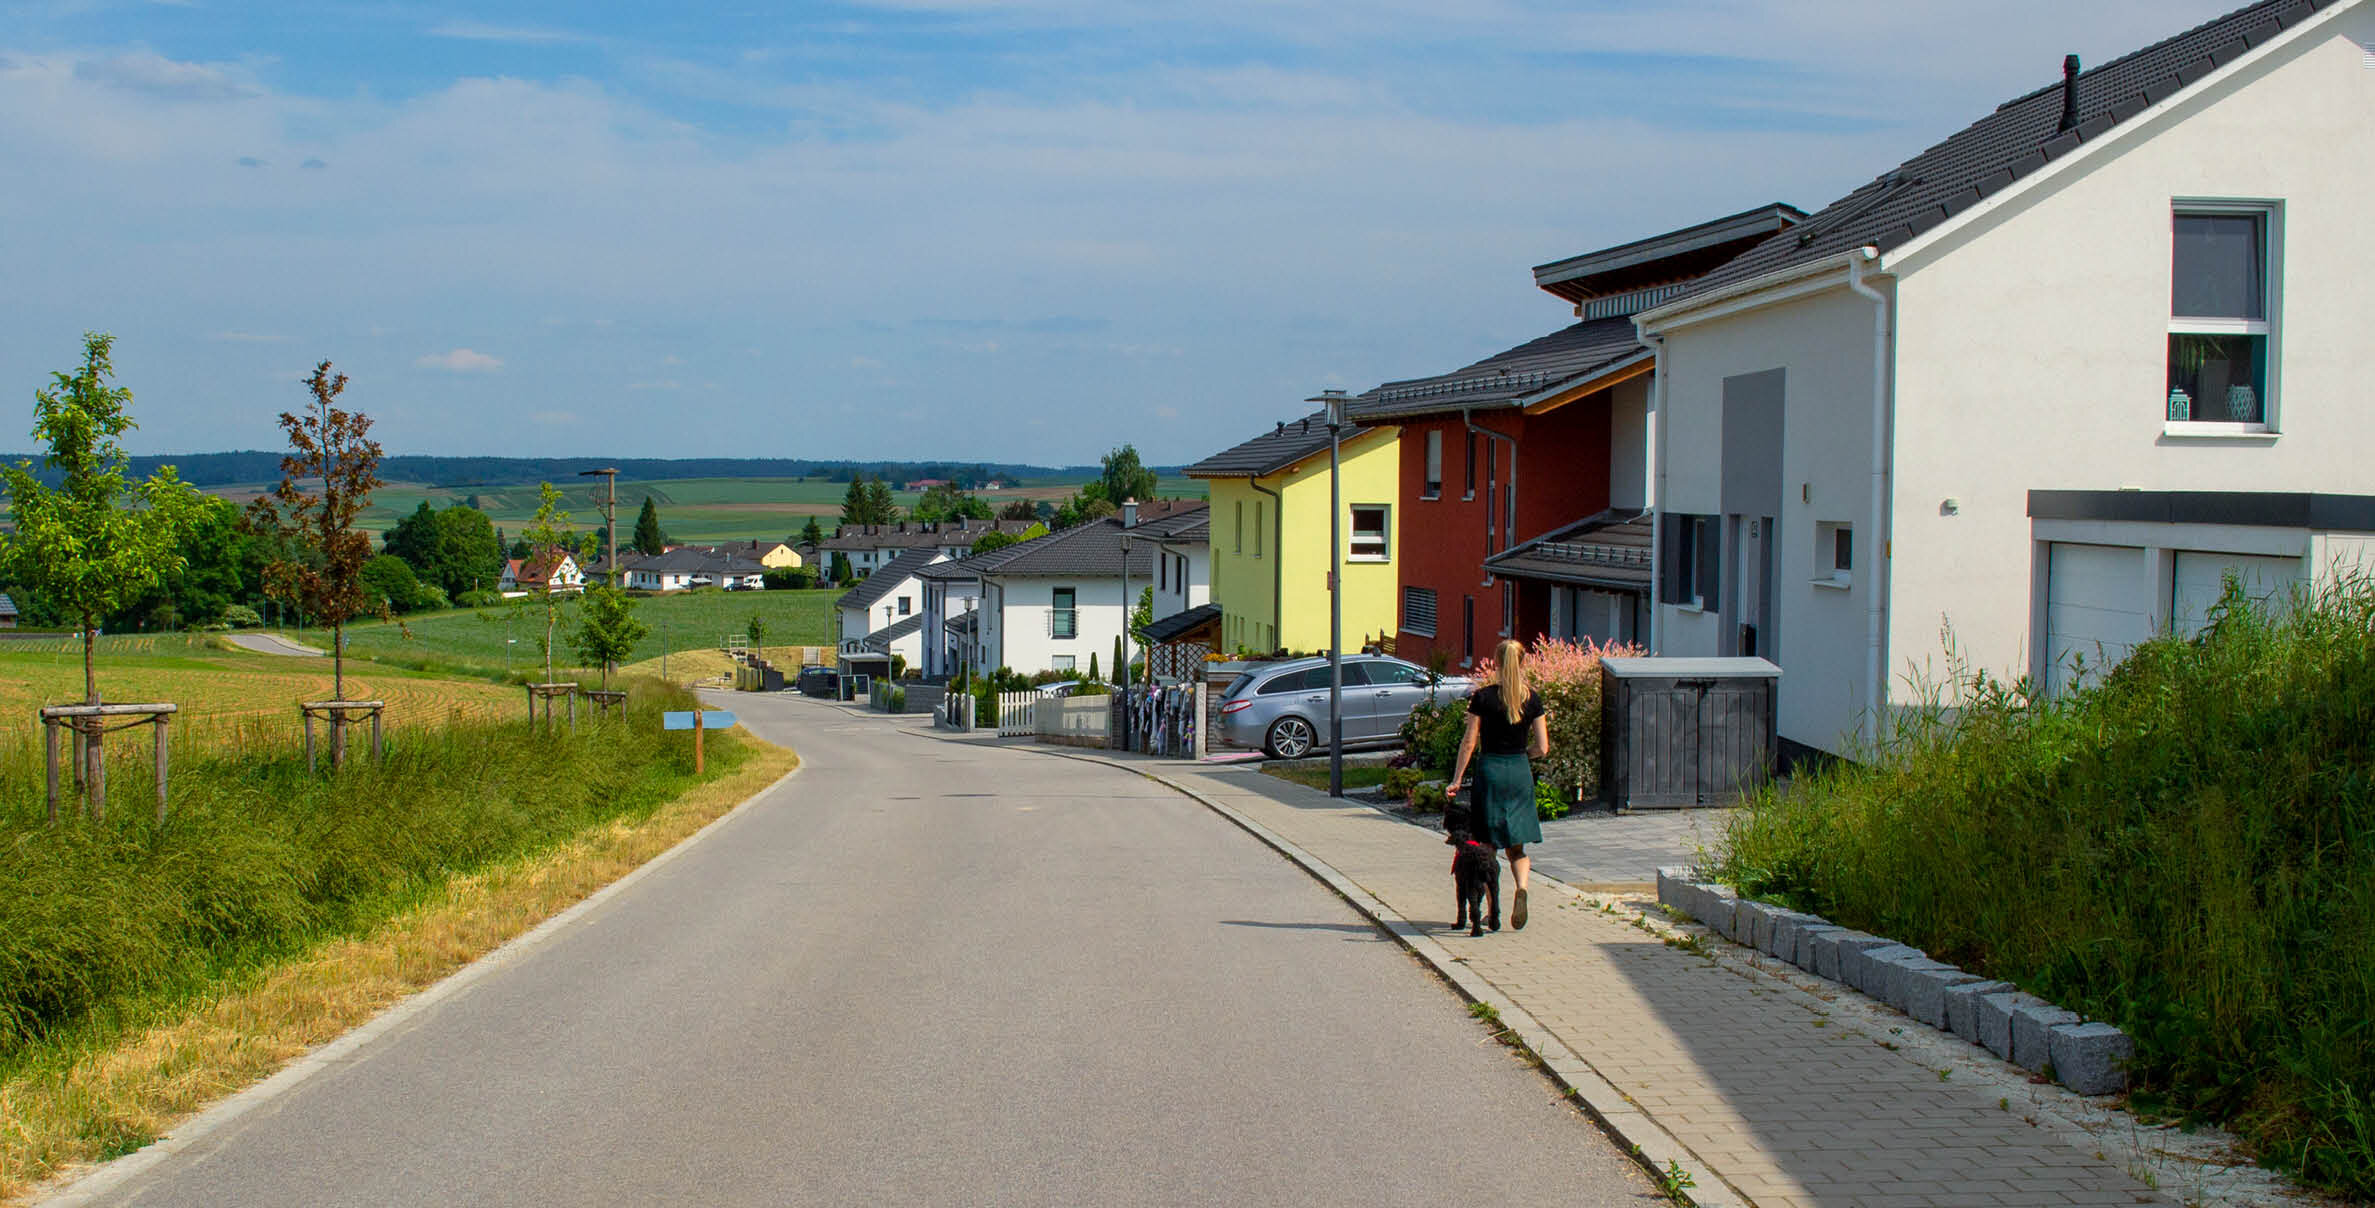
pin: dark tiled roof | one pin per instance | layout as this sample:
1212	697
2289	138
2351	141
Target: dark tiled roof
7	606
1180	624
918	536
1505	377
1671	259
887	577
1092	549
964	622
1609	551
1268	453
880	640
692	559
2020	137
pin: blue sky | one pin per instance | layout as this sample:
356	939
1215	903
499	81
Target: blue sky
914	229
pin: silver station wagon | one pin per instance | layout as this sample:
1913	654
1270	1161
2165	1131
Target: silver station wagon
1283	707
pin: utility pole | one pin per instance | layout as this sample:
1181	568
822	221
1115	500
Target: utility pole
609	518
1334	401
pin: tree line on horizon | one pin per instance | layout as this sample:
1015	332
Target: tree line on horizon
241	467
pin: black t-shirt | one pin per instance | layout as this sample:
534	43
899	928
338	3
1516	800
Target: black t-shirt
1494	734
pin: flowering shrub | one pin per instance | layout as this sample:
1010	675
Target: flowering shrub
1567	674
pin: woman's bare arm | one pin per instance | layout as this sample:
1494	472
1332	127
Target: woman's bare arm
1540	746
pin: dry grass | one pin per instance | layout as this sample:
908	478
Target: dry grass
55	1122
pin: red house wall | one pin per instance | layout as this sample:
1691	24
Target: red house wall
1562	476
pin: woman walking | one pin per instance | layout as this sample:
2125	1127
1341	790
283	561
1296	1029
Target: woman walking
1505	717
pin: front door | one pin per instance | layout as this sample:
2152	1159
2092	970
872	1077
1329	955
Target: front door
1748	611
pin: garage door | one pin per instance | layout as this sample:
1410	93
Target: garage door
2097	607
2201	580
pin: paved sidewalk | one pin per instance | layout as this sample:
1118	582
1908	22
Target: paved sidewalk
1745	1080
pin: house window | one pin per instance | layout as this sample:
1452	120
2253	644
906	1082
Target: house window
1434	483
1371	536
2219	315
1063	620
906	605
1691	553
1470	490
1418	611
1163	572
1240	546
1060	662
1257	528
1508	610
1834	553
1467	627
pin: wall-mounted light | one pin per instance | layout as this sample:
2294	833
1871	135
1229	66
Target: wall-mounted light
1950	507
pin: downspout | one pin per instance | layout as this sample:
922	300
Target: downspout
1277	564
1657	488
1875	661
1508	525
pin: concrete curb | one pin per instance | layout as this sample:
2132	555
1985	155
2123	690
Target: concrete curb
108	1176
1641	1136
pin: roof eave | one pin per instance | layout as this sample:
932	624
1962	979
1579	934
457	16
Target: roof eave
1589	384
1780	285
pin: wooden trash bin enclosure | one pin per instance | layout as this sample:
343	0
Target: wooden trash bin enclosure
341	714
87	723
1682	732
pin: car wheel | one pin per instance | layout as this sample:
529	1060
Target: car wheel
1291	738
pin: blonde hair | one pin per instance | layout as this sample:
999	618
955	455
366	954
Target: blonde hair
1509	672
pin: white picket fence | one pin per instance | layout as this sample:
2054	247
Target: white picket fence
1018	714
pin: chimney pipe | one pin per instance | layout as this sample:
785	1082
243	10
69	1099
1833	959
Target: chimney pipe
1129	513
2069	95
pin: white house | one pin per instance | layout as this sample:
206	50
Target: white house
692	566
884	613
2027	398
1049	603
555	572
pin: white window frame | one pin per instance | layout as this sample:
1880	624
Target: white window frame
1385	533
1827	570
2270	212
1061	662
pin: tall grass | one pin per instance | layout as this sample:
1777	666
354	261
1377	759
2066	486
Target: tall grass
259	859
2186	850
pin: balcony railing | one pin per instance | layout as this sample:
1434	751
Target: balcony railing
1063	622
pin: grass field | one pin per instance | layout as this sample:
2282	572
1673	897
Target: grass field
495	640
224	691
691	509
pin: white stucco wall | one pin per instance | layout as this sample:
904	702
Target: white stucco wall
2032	347
1824	346
1628	444
1024	604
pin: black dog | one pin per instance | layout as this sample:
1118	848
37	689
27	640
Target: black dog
1475	875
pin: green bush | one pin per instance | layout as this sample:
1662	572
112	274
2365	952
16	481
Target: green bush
258	858
1400	781
1429	798
896	702
1431	734
2186	850
1550	801
240	616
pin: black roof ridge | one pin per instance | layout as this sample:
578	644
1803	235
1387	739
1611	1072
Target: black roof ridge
1696	228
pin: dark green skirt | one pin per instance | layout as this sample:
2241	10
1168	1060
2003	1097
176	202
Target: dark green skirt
1504	800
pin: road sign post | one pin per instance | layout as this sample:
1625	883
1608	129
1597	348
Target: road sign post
698	721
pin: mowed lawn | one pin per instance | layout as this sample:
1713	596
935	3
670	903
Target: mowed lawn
223	690
506	638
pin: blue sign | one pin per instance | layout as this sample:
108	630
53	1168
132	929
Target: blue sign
711	719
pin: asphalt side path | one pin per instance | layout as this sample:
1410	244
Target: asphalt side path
931	973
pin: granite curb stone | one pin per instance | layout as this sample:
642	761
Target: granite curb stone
1787	924
1807	935
1860	968
1962	1006
2090	1058
1995	1019
2031	1022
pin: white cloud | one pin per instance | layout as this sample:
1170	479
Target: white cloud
151	73
461	360
480	31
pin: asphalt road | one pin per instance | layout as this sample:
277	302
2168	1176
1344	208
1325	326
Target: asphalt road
925	972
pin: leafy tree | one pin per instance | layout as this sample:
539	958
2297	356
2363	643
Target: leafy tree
390	584
470	551
757	631
1126	478
1143	615
879	503
993	540
841	568
323	575
1020	509
1093	677
867	501
648	537
949	502
93	542
812	534
222	567
417	540
548	537
607	630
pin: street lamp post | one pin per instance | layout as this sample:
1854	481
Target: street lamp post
1333	401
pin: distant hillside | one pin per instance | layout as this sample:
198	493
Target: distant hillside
249	466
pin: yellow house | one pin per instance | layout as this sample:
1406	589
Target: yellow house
1270	536
774	555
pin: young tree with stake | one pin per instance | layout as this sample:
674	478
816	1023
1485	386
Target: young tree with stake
548	536
329	448
91	545
607	630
